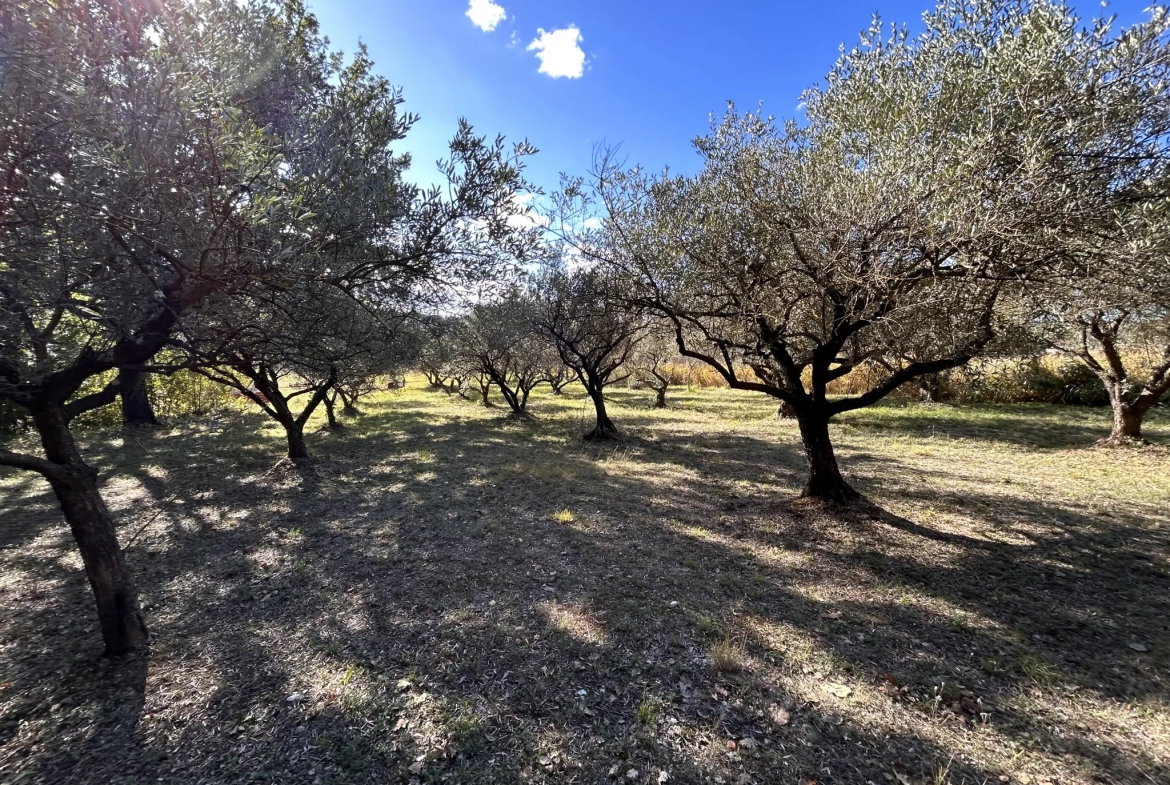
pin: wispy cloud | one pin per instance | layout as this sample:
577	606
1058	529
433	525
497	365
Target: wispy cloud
560	52
485	14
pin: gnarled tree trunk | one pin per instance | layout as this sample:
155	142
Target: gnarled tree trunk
294	431
349	403
1127	417
76	486
136	409
824	477
604	429
330	402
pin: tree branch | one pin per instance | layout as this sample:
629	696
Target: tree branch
30	463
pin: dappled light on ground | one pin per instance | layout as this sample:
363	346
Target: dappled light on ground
450	596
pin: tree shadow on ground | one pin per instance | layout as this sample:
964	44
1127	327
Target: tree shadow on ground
451	597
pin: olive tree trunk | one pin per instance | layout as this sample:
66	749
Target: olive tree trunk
330	402
76	486
136	409
604	429
1128	416
824	476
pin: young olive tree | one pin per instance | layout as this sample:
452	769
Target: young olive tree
284	353
1115	318
579	313
383	348
501	342
653	353
887	231
440	358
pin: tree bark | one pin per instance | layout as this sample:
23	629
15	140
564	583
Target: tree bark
136	409
1127	418
76	486
330	414
604	429
295	433
660	385
824	477
349	404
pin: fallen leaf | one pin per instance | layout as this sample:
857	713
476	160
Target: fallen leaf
1139	647
416	767
778	715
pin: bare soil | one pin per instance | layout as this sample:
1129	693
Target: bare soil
449	595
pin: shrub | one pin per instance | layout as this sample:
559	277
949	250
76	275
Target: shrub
174	397
1045	379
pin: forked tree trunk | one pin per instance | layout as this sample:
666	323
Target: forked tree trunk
516	399
824	477
604	429
349	404
295	434
330	403
660	398
76	486
136	409
1127	418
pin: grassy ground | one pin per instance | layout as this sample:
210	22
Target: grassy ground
454	597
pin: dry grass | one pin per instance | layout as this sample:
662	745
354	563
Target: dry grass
421	609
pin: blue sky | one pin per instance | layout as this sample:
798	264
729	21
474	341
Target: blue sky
654	70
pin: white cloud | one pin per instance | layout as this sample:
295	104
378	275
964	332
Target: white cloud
560	52
523	213
485	14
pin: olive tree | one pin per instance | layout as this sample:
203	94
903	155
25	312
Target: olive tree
130	167
155	156
893	229
284	352
1115	318
1109	306
653	353
440	358
500	340
579	313
382	348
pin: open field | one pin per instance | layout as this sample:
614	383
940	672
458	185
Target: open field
450	596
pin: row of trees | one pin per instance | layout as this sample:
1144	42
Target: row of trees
206	187
210	178
1000	181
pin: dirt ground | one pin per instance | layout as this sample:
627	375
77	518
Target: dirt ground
451	596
